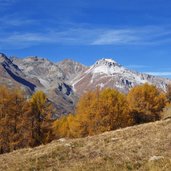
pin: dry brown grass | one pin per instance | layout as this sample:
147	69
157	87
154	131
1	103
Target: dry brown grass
145	147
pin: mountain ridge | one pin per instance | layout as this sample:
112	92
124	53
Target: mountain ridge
108	73
65	81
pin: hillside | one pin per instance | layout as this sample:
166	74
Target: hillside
143	147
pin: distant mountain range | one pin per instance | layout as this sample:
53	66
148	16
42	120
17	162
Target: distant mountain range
65	81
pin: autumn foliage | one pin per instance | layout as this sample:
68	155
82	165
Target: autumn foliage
96	112
99	111
23	122
11	119
146	103
28	122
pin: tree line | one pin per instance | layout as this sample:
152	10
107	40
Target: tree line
27	122
108	109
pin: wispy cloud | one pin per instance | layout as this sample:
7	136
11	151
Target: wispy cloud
141	36
120	36
85	36
138	66
67	37
23	40
159	73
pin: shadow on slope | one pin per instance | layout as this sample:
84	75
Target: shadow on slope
20	80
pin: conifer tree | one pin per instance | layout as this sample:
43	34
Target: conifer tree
23	122
17	102
96	112
11	112
40	113
146	103
4	120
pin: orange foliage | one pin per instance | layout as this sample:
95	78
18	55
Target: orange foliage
23	123
146	103
96	112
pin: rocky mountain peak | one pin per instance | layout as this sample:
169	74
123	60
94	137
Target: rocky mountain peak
8	63
69	63
2	55
106	66
4	58
107	62
36	59
71	68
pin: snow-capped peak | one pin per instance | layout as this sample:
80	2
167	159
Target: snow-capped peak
109	60
105	61
106	66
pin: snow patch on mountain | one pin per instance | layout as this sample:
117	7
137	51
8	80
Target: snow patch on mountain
108	73
109	60
108	70
106	66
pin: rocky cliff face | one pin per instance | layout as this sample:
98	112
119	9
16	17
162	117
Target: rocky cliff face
53	79
71	69
12	76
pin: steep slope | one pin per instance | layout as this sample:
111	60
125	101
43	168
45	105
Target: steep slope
52	79
71	69
40	68
145	147
35	73
108	73
11	75
48	72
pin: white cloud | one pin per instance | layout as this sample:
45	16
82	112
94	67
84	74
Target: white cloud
159	73
67	37
138	66
109	37
137	36
85	36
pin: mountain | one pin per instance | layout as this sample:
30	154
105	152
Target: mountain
71	69
12	76
53	79
108	73
65	81
48	72
145	147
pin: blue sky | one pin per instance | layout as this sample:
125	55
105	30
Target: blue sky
136	33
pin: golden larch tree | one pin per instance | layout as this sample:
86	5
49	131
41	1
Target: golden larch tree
146	103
